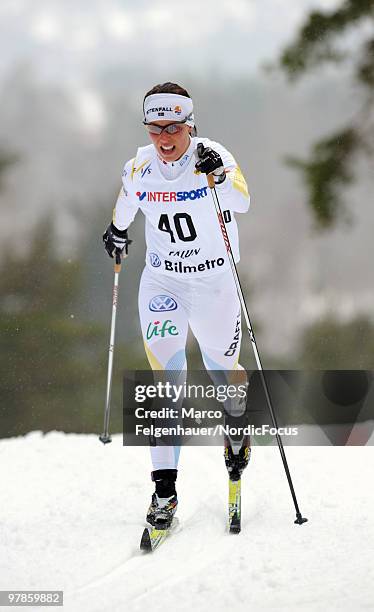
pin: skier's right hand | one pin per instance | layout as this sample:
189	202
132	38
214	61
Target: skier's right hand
116	241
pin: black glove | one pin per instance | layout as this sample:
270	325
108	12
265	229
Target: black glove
210	162
116	242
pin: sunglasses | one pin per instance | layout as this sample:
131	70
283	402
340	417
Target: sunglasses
172	128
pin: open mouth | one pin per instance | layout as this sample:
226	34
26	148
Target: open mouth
168	149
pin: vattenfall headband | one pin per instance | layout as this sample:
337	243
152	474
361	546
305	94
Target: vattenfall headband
169	106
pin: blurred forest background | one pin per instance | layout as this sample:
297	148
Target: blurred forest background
299	122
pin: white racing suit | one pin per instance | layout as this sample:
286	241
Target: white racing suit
187	281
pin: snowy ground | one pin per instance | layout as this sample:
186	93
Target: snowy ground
72	514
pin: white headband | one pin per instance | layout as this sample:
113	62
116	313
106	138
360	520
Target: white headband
172	107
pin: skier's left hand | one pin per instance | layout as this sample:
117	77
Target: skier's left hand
210	162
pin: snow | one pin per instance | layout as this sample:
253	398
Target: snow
72	514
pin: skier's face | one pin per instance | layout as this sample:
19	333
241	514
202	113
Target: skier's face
171	146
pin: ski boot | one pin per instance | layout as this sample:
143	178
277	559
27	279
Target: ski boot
164	500
237	450
237	454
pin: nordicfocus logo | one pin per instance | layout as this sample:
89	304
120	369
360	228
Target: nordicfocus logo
209	264
162	303
155	260
172	196
235	341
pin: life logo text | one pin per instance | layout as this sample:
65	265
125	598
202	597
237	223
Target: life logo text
167	328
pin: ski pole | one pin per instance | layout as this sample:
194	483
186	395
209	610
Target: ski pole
105	437
299	518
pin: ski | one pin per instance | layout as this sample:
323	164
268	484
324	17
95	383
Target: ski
235	506
153	537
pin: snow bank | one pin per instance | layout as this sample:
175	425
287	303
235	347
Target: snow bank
72	513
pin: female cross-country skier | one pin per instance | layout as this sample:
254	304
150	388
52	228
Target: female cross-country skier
187	280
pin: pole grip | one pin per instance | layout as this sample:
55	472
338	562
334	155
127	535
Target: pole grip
211	182
118	261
